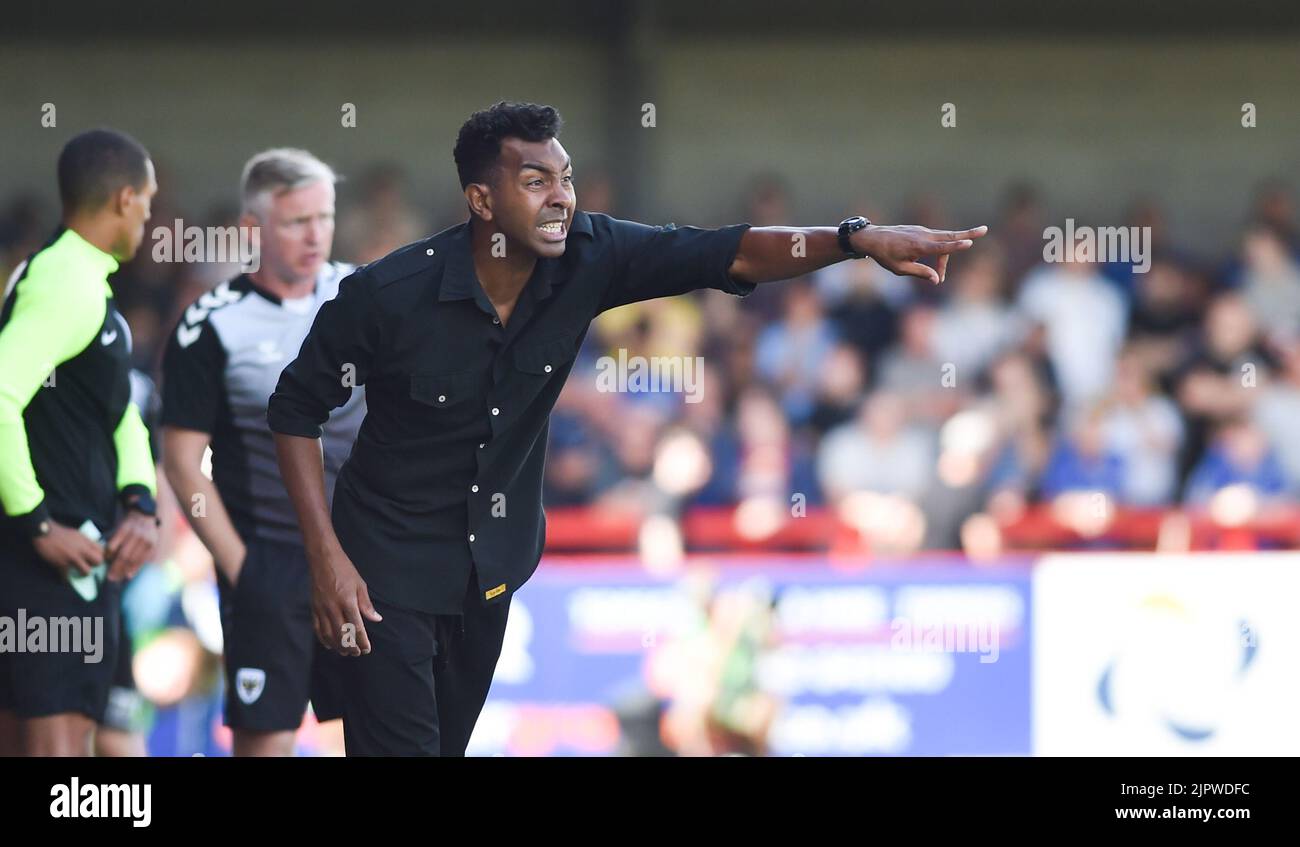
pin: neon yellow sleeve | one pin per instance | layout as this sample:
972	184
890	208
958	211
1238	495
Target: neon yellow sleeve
57	313
134	458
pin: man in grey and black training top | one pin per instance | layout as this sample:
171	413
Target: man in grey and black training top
221	365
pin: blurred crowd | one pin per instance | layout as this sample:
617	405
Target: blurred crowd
922	415
926	416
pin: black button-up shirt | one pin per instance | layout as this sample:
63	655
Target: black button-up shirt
445	478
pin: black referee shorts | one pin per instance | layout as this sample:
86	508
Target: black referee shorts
53	679
421	688
272	665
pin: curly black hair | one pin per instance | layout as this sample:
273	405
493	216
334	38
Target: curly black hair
478	144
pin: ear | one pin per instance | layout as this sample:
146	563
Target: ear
479	197
248	220
123	198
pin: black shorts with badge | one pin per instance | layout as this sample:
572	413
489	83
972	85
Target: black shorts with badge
43	678
272	665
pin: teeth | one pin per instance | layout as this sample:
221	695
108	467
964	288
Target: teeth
552	227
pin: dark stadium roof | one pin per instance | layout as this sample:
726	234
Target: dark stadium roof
28	20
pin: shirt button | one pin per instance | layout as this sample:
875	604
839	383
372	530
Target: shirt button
429	252
547	369
496	320
481	445
471	536
496	411
442	398
474	488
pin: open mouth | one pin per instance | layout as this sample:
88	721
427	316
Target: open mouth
552	231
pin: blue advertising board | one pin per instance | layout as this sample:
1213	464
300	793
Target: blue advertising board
927	658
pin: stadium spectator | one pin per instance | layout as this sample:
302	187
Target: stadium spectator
792	353
1166	312
1239	456
1084	318
1082	461
1277	411
1019	232
1270	282
1145	429
930	388
840	387
1024	408
1218	377
877	452
976	324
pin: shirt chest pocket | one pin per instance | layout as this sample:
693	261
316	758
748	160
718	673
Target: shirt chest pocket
451	392
545	357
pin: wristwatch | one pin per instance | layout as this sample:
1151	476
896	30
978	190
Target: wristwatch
848	226
138	498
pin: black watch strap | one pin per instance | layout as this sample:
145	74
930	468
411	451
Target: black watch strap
137	497
848	226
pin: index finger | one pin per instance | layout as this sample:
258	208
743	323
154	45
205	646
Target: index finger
938	248
959	235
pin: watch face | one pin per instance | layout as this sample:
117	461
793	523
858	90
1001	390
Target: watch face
847	227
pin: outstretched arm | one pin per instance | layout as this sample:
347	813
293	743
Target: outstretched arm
777	252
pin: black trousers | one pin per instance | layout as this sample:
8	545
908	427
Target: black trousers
421	688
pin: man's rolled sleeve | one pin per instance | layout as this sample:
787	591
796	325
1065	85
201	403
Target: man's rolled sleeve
669	260
335	357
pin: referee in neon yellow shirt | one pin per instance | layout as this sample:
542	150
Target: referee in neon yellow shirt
75	463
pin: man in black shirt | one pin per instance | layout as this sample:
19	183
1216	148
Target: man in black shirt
463	342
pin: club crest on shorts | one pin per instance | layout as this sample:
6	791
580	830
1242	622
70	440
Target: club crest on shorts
249	683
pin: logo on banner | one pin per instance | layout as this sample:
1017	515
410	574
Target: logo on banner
1168	622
